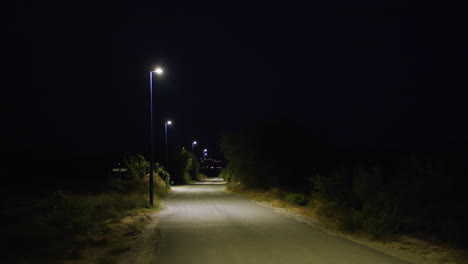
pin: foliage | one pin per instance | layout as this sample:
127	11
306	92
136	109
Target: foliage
380	192
66	218
160	186
195	169
164	175
201	176
331	189
227	174
349	219
136	179
133	180
296	198
137	166
181	167
261	158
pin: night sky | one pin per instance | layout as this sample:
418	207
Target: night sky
77	77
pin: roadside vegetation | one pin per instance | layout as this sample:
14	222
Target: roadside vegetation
56	225
376	191
184	169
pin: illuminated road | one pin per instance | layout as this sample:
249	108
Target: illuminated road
203	224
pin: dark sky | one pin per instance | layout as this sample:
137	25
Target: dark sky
379	75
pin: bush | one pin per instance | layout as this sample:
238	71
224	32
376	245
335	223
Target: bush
326	209
201	176
164	175
350	220
160	186
331	189
227	174
133	180
381	221
181	166
230	186
296	198
277	193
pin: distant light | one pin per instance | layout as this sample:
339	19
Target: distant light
205	150
158	70
194	143
169	122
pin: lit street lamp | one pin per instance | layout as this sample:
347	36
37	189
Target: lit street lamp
205	153
158	71
193	158
165	129
193	146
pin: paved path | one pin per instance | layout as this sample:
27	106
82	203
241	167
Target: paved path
203	224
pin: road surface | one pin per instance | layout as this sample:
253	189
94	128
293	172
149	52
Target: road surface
203	224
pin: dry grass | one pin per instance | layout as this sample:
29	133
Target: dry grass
117	239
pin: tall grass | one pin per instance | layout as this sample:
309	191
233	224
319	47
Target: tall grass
60	224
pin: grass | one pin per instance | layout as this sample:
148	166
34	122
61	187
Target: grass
296	199
61	225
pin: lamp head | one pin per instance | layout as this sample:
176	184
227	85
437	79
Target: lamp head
158	71
169	122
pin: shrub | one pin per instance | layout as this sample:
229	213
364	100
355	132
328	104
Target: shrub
133	180
201	176
227	174
327	209
296	198
230	186
160	186
277	193
380	220
350	220
187	178
181	166
164	175
331	189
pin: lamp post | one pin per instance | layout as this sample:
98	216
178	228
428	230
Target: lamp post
193	158
205	153
158	71
193	147
165	129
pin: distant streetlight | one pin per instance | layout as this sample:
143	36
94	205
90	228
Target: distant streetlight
193	158
158	71
193	146
205	153
165	129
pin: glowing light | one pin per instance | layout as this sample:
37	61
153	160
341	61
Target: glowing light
169	122
158	71
194	143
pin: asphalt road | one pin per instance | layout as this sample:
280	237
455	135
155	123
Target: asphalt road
203	224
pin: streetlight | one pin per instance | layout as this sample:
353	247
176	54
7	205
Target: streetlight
193	146
158	71
193	158
205	153
169	122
